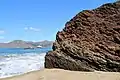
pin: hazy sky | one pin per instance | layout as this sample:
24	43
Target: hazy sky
36	20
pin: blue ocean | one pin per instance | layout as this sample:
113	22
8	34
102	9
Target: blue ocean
15	61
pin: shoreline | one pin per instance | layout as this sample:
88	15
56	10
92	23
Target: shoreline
59	74
18	75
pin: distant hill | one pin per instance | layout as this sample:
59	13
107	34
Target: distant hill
44	43
26	44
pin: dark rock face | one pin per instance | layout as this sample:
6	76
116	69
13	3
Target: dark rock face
90	41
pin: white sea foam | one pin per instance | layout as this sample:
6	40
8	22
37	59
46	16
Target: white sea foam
16	64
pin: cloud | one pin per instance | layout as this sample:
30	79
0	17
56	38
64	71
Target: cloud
2	37
2	31
26	28
32	29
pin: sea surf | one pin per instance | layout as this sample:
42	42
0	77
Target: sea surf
16	61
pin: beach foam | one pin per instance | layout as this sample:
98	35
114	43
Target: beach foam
15	64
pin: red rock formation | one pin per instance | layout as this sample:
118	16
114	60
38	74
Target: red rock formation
90	41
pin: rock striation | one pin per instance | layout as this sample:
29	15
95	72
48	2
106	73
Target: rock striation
89	42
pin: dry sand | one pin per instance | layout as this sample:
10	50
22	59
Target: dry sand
57	74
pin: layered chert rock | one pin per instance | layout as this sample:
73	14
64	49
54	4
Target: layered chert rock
90	41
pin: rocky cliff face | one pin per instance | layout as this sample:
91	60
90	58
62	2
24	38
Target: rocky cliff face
90	41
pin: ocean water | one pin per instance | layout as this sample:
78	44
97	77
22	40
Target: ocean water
16	61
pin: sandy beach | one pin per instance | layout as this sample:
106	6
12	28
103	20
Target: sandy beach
57	74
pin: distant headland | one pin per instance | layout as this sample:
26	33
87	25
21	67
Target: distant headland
26	44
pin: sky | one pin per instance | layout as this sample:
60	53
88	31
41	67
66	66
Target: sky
37	20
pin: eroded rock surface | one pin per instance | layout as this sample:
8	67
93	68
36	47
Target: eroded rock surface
90	41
